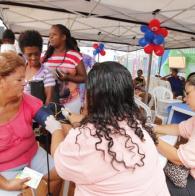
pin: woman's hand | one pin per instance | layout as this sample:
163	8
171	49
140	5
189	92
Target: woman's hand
52	124
61	75
17	184
74	119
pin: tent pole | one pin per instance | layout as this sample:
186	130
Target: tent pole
160	63
148	78
128	58
159	66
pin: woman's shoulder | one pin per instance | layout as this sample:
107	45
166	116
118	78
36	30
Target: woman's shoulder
45	70
82	134
28	97
74	53
31	101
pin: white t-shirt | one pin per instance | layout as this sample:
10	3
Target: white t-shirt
8	47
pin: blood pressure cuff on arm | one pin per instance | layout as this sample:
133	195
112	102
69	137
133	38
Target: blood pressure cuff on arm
45	111
42	114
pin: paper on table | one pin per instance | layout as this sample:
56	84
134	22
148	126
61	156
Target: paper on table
34	175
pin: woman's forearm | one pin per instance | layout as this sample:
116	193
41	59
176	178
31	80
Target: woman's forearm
167	129
76	79
58	136
81	75
49	94
3	183
168	151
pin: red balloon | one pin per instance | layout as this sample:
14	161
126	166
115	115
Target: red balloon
103	52
159	31
95	45
158	50
154	25
148	48
162	31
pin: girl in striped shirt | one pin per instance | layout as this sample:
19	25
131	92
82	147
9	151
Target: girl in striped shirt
66	65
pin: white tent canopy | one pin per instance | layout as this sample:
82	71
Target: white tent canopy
114	22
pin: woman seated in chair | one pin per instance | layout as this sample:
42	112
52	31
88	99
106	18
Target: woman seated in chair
140	85
176	82
18	147
185	154
111	151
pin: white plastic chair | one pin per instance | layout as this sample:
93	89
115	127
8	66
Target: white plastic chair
160	93
156	82
165	83
146	109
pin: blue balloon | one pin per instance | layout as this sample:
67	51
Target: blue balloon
97	50
149	36
158	39
144	28
94	52
142	42
101	46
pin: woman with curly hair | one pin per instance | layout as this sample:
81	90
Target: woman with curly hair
31	44
111	151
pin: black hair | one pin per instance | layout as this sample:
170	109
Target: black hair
110	100
191	79
8	36
191	74
140	70
30	38
74	41
68	41
174	69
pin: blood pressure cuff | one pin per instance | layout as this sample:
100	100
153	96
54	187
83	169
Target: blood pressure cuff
42	114
45	111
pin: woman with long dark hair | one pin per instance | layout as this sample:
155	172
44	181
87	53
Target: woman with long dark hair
66	65
111	151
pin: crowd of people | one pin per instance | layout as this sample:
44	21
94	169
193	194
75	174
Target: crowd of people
107	150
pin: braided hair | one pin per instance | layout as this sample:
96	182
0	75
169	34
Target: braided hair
68	41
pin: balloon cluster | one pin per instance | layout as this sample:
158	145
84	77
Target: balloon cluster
153	39
99	49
